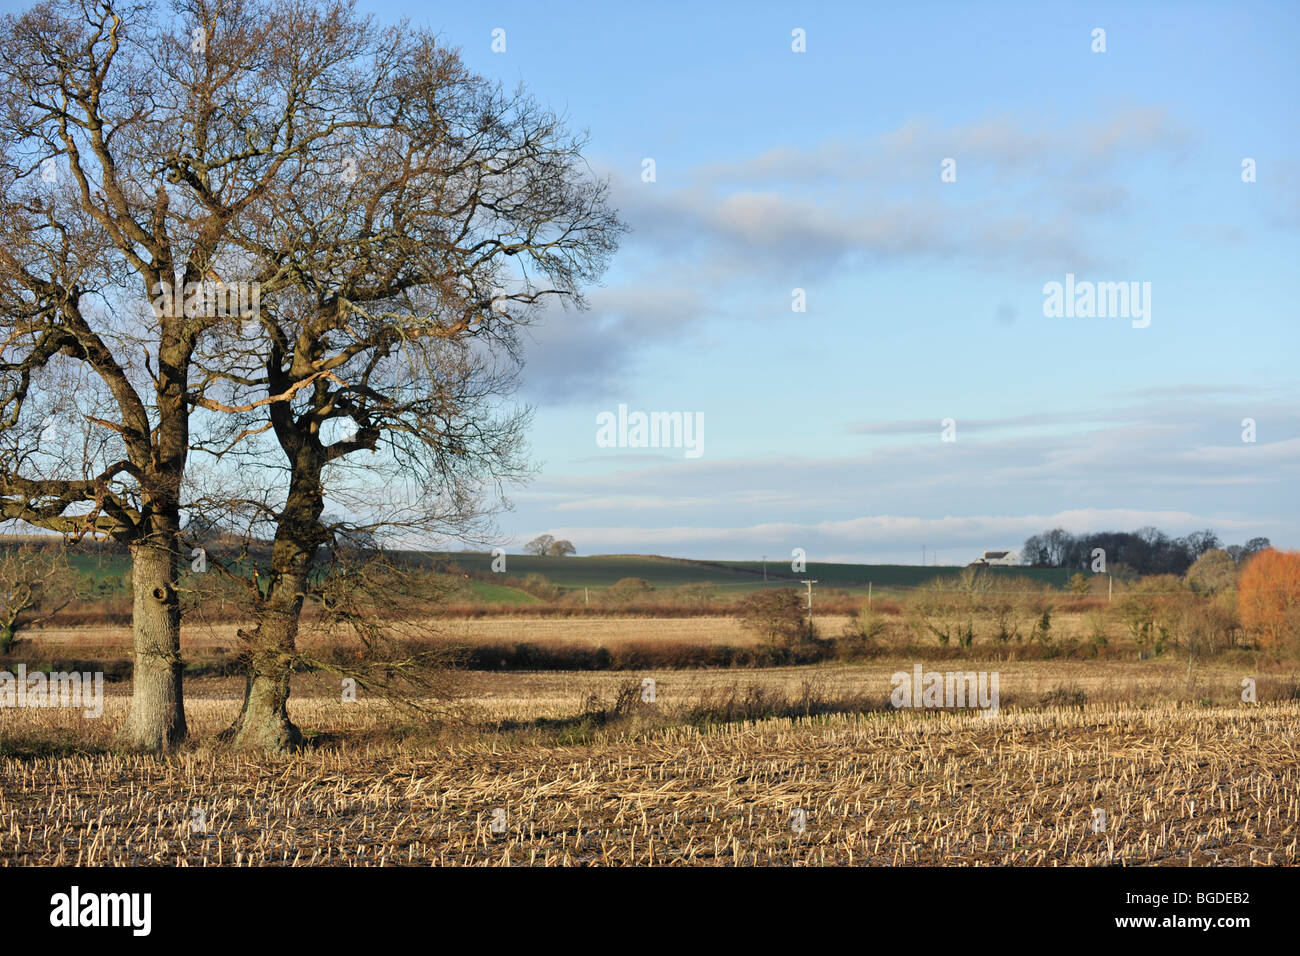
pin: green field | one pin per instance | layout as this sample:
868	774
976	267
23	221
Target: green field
601	571
483	592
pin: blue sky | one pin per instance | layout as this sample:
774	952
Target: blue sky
778	170
820	171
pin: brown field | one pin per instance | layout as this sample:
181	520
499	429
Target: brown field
612	630
598	630
1186	774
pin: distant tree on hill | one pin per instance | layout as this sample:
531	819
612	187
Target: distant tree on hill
560	549
1147	550
1034	553
540	545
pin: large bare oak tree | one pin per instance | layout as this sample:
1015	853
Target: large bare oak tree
417	246
396	217
135	137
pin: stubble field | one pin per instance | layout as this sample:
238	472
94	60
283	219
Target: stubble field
1086	763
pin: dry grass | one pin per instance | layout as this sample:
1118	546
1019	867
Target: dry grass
604	630
1181	781
200	639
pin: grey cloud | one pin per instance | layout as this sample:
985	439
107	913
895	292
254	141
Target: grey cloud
572	355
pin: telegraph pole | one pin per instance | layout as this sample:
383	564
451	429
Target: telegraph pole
808	584
764	569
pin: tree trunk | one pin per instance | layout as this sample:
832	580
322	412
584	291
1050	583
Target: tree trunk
264	722
157	718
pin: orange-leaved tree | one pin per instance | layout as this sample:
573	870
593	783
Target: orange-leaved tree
1268	598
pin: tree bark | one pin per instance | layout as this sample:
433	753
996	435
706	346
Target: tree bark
264	722
157	718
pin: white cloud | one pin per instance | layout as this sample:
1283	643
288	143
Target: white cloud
1273	453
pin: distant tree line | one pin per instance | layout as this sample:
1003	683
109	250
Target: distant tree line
1145	551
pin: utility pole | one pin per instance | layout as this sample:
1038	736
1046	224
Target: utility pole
808	584
868	594
922	555
1110	589
764	569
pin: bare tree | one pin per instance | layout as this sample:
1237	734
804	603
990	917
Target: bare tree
370	624
35	584
776	614
162	128
417	243
540	545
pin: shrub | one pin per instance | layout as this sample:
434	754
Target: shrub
1213	571
776	615
759	702
1006	620
862	636
946	612
1042	632
865	628
539	586
1268	599
1064	695
1151	610
1098	627
626	590
695	595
